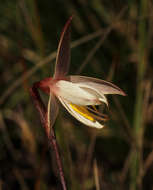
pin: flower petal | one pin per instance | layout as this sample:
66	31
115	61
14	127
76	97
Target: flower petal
76	95
92	90
81	114
52	110
102	86
63	52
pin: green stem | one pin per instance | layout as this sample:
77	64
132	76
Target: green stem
136	163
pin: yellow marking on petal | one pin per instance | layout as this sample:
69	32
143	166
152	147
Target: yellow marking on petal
82	111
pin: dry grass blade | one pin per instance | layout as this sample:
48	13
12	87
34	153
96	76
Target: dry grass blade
89	156
93	50
34	25
149	159
27	135
96	175
100	42
7	140
13	153
126	167
148	162
20	179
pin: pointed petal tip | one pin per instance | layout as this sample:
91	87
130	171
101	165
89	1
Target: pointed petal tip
100	127
63	51
123	93
119	91
69	20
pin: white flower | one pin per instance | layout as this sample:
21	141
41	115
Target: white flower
78	94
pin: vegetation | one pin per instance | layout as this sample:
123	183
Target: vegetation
111	40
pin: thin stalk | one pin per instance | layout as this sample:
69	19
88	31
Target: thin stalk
43	112
32	20
53	142
136	163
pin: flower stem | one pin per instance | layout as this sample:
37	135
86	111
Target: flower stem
51	135
52	140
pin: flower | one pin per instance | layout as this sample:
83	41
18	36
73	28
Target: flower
78	94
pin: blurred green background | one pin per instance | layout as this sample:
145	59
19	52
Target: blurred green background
111	40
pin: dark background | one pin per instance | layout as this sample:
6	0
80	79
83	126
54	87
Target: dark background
113	41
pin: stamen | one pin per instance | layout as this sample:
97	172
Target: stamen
94	107
99	116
